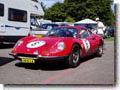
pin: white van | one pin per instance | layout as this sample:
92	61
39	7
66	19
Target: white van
15	17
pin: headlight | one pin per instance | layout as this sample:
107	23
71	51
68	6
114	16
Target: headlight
61	46
19	42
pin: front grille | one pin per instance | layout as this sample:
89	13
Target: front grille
26	55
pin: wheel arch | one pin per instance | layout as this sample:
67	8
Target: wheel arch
78	45
69	61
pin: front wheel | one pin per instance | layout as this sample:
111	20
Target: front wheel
74	58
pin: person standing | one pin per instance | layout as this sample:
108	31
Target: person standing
100	27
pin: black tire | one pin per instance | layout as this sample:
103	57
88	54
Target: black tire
100	50
74	58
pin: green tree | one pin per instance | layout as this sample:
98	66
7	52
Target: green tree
80	9
69	19
56	13
102	8
74	1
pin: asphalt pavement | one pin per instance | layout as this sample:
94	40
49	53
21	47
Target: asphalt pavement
91	71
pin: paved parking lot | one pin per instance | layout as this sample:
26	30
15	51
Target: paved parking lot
92	70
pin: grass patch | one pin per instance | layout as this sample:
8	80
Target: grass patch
109	39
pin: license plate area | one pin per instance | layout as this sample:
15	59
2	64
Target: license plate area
27	60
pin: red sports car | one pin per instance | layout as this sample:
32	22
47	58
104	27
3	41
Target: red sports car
66	42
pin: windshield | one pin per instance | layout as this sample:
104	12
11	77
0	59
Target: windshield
34	21
63	32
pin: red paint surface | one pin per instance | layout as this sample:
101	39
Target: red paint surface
51	45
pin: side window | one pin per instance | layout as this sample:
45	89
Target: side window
17	15
84	33
89	32
1	9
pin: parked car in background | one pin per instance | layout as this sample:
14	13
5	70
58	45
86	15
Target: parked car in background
69	43
48	26
42	30
63	24
109	31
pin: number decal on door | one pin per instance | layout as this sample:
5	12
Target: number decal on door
86	44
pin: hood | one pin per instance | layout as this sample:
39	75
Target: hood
38	44
47	40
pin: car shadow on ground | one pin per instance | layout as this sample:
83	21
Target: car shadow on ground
87	58
6	46
50	66
5	60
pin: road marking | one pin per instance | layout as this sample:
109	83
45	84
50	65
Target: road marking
63	73
56	76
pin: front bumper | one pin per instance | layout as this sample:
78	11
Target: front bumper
37	57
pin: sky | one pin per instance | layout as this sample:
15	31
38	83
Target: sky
49	3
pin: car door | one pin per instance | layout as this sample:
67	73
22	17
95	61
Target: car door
88	41
94	41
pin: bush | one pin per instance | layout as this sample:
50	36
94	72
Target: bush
69	19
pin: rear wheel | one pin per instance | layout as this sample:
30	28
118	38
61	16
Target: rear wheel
100	50
74	58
